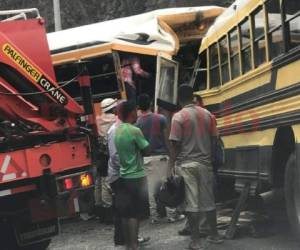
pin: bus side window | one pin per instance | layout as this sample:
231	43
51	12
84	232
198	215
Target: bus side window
275	33
201	73
103	76
259	37
234	53
214	72
245	45
292	17
223	44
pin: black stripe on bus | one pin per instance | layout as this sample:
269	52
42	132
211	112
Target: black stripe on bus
258	124
274	96
262	95
247	162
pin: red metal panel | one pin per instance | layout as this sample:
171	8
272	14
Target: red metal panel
26	39
30	36
22	164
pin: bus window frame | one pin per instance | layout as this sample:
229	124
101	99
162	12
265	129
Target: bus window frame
236	53
248	46
117	64
274	29
158	101
215	66
223	64
286	26
263	36
197	70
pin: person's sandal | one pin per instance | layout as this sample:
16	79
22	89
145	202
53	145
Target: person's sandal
184	232
190	247
215	239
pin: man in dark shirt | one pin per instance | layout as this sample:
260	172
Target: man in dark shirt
153	126
155	129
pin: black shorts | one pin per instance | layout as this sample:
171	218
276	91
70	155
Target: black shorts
132	199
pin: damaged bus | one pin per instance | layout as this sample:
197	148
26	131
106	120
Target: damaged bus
164	41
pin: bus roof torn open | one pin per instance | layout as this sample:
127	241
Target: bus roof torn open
159	30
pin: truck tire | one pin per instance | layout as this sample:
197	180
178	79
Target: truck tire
292	194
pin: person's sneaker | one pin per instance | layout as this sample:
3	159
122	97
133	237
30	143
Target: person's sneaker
86	216
176	218
215	239
143	240
184	232
156	220
119	243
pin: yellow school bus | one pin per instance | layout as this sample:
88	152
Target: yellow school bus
159	39
248	76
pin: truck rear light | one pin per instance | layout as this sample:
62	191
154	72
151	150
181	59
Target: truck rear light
85	180
68	183
75	181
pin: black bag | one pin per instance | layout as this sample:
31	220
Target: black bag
219	154
172	192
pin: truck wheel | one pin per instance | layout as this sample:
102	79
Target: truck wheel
292	191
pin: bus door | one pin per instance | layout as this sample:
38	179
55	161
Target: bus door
117	64
166	86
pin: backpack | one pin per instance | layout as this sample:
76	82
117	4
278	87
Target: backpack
172	192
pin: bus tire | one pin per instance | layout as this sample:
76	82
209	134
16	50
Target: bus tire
292	197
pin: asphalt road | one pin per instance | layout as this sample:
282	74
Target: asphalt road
88	235
272	229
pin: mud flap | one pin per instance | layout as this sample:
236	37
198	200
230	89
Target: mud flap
30	233
70	204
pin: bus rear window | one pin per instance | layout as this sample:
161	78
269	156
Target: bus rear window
104	82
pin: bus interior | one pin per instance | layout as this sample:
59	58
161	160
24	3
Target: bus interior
103	74
144	85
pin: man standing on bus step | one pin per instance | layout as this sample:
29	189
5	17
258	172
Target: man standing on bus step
132	198
131	67
192	139
155	129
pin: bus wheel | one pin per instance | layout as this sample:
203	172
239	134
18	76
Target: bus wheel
292	191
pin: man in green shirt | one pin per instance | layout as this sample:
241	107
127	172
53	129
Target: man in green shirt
132	199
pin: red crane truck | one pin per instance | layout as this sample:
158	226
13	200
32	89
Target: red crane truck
46	138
